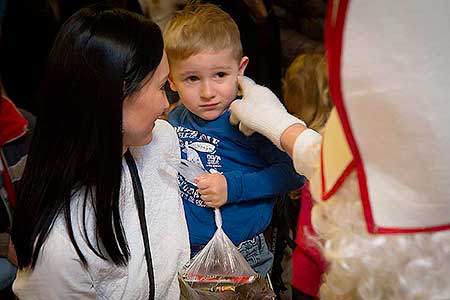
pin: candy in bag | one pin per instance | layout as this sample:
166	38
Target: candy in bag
219	271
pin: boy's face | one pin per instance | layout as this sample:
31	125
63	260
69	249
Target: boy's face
207	81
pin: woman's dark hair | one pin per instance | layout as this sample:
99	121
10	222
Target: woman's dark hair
101	55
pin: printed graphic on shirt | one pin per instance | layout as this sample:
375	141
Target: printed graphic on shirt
200	149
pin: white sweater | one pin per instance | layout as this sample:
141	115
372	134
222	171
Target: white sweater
59	273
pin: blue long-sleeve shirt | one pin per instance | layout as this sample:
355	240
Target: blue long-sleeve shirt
256	171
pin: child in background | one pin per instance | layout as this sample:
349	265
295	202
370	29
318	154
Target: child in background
160	11
305	93
305	90
246	173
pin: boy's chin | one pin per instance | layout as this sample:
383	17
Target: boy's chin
210	115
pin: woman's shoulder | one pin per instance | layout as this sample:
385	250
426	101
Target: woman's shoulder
163	130
164	140
163	134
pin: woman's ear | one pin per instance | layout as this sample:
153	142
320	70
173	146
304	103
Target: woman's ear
173	87
242	65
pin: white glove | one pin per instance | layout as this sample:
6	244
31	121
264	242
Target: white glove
261	111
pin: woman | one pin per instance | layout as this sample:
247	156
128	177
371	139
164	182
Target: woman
78	229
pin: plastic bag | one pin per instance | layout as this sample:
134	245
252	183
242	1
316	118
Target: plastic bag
258	290
189	170
219	264
218	271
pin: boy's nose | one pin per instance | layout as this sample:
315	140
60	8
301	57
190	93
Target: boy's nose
207	91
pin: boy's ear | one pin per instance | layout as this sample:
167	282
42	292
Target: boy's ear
242	65
173	87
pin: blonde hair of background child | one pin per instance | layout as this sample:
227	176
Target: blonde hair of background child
200	27
305	90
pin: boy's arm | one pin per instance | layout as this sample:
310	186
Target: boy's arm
236	186
280	177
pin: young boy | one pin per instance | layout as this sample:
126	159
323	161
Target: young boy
246	173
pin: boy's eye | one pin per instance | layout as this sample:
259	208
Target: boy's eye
192	78
221	74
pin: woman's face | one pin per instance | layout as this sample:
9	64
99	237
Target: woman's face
141	109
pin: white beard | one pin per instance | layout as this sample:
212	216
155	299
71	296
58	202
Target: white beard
376	267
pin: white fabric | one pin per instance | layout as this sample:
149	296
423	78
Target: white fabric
261	111
59	273
396	88
306	153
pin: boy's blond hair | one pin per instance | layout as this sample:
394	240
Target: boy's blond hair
305	90
201	27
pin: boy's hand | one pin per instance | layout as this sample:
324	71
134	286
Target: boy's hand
212	189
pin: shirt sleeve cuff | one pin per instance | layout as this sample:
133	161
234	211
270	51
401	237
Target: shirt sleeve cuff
234	186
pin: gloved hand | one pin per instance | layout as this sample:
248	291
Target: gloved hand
261	111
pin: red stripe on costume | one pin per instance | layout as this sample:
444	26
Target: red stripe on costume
334	31
334	27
